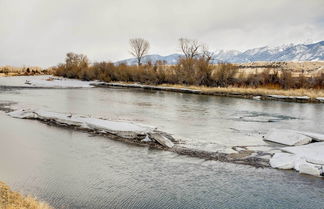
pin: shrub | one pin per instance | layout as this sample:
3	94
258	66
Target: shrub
188	71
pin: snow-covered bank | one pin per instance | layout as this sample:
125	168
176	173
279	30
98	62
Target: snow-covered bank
44	81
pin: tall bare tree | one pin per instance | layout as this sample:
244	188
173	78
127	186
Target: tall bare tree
76	60
139	48
190	48
206	54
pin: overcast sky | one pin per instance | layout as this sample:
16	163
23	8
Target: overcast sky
41	32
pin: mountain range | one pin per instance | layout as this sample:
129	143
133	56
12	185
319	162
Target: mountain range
291	52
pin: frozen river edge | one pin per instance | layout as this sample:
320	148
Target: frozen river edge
306	157
303	151
139	135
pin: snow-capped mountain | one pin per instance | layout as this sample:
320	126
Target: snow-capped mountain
169	59
292	52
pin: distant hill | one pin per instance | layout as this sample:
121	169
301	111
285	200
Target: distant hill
292	52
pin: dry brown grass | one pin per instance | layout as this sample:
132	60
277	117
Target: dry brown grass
13	200
312	93
18	71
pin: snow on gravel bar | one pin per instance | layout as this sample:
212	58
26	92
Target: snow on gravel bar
58	82
45	81
123	129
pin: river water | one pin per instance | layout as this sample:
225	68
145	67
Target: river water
71	169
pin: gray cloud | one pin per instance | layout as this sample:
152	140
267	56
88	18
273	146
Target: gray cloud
40	32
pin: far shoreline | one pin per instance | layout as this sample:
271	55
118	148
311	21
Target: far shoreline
291	95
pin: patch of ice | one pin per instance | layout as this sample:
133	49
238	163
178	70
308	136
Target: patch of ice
45	81
161	139
123	129
311	169
283	160
257	97
321	99
289	97
146	139
308	159
287	137
313	153
120	128
315	136
57	82
22	114
278	96
59	117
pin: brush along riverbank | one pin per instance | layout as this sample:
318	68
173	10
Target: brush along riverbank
291	95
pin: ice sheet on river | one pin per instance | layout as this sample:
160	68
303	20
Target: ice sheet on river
308	159
123	129
45	81
287	137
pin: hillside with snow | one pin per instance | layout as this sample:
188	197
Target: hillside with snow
292	52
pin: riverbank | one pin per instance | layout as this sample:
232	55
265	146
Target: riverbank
10	199
291	95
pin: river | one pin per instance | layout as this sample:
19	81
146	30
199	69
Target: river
71	169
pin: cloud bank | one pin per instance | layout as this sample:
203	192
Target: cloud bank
41	32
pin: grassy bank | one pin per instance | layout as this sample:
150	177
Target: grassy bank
13	200
312	93
291	95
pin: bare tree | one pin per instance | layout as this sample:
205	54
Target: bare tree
139	48
206	54
190	48
76	60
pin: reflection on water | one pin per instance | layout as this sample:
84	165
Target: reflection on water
72	170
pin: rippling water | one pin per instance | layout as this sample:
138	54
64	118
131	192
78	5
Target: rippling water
74	170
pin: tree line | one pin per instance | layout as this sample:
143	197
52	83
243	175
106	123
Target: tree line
194	68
